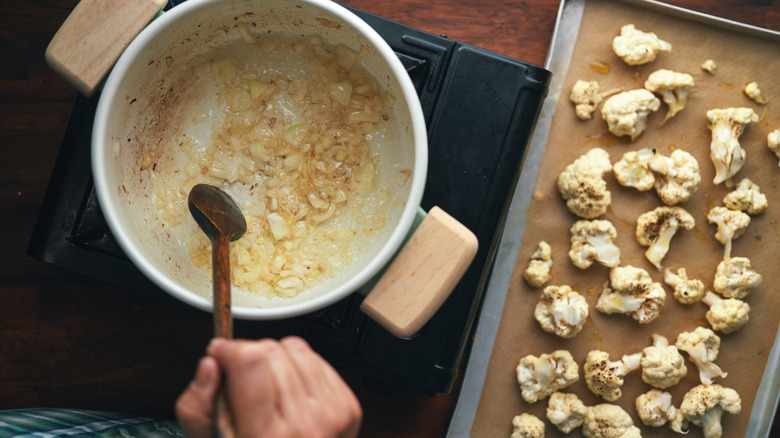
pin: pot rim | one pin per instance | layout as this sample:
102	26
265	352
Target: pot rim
156	275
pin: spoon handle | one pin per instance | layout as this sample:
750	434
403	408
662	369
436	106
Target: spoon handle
223	324
224	420
223	320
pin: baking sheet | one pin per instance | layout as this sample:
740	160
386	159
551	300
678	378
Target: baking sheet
490	396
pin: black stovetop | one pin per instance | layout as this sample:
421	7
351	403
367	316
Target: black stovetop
480	109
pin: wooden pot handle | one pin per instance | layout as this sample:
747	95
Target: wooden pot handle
422	275
94	35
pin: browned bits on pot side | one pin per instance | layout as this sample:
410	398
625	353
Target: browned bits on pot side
328	23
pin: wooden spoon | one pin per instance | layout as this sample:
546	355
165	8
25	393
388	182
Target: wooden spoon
222	221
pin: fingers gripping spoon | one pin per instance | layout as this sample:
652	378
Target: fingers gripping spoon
222	221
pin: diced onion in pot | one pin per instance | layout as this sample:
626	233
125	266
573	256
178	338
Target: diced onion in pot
292	145
279	227
341	92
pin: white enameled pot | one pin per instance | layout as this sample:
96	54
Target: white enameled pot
147	104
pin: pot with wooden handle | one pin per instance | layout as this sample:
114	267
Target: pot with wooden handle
164	100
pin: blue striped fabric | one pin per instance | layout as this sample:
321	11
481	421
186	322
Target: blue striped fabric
75	423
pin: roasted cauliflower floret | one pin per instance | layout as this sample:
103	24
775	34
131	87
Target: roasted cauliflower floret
527	426
656	228
709	66
731	225
605	377
626	113
662	364
585	97
608	421
633	170
636	47
727	125
752	91
686	290
746	197
562	311
566	411
677	176
541	376
673	88
702	346
634	293
726	315
773	143
582	185
538	271
735	278
593	241
655	409
704	406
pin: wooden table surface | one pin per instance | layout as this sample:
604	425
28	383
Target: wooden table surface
70	341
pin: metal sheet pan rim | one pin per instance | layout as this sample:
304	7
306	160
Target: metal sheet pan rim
564	38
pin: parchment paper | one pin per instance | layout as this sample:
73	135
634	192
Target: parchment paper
740	59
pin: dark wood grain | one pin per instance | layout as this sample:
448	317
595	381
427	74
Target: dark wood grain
67	340
223	321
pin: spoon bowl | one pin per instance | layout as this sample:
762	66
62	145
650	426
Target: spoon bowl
216	213
222	221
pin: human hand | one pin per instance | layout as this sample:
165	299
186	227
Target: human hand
276	389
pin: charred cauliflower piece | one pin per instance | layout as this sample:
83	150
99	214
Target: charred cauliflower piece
746	197
662	364
704	406
773	143
605	377
686	290
633	170
593	241
541	376
538	271
656	228
636	47
626	113
677	176
702	346
655	409
634	293
582	185
585	97
608	421
527	426
727	125
562	311
731	225
673	88
735	278
726	315
565	411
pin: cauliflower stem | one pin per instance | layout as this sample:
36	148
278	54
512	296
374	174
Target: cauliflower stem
727	126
